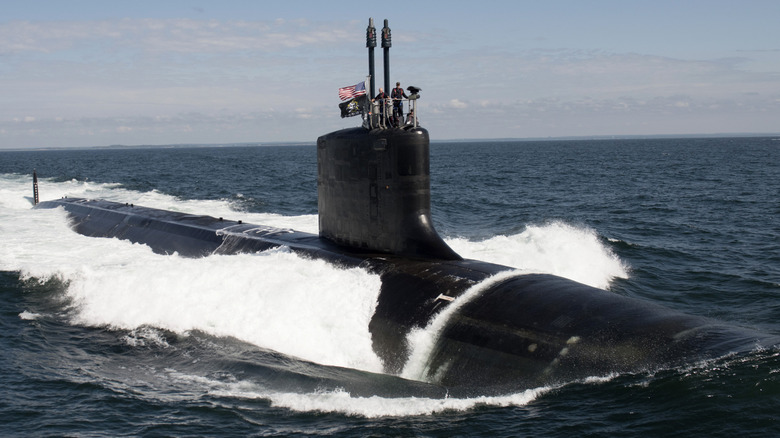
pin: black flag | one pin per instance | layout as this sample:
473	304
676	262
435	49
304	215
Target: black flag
353	107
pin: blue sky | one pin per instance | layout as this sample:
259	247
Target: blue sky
89	73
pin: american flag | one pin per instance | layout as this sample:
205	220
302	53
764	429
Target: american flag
352	91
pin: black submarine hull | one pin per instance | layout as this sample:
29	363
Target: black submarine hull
504	331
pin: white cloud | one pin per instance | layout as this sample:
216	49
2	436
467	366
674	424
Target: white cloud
458	104
168	35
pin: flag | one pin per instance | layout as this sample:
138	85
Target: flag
353	107
352	91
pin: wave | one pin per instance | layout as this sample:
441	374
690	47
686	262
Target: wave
339	401
556	248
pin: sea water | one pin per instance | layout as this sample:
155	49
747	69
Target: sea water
102	337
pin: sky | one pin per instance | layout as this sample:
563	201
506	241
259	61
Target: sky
97	73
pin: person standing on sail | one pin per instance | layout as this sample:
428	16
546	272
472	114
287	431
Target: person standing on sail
398	105
382	98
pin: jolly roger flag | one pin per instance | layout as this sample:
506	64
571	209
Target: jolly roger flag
352	107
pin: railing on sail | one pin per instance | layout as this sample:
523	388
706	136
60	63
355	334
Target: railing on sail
383	114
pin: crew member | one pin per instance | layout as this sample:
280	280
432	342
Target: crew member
398	105
382	98
381	94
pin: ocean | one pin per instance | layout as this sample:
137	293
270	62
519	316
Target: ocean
102	337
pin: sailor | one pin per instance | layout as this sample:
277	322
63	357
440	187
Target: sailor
382	98
398	105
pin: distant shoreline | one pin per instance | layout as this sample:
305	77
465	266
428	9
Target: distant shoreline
466	140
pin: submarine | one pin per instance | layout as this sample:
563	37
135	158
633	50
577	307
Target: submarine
498	330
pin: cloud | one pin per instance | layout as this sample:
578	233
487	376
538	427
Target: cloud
575	73
135	67
457	104
168	35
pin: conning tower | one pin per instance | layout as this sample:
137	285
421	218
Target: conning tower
373	184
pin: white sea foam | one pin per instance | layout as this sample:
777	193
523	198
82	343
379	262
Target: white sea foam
274	299
30	316
336	401
277	300
145	336
372	407
342	402
555	248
